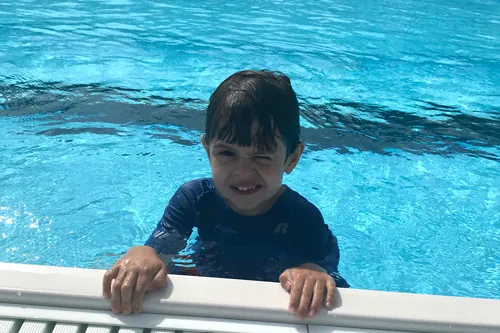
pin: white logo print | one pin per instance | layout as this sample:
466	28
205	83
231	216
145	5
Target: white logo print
281	228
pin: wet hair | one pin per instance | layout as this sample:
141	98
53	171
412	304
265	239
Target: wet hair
247	97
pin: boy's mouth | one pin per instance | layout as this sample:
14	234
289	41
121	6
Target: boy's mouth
246	190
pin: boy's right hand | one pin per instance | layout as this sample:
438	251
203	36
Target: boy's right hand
138	271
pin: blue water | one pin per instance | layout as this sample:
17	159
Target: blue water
102	103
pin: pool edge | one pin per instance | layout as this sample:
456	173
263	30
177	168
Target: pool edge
252	300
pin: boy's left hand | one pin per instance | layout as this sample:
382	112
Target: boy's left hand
307	285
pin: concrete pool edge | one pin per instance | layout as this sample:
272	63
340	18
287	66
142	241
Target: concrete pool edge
253	301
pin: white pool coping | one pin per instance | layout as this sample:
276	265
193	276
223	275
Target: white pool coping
36	288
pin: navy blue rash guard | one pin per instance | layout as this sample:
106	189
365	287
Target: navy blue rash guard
230	245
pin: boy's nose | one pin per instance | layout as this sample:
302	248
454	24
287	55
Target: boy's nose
245	167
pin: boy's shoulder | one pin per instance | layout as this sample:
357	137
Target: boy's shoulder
196	188
296	204
199	184
304	220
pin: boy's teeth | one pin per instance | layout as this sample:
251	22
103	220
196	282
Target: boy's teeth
244	188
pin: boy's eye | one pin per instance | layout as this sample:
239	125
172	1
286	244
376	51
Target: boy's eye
263	158
226	153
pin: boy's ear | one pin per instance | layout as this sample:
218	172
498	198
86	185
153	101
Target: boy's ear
293	159
205	145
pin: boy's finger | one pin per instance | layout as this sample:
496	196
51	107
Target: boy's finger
127	291
141	287
108	279
286	280
305	299
319	294
295	294
331	289
159	280
116	292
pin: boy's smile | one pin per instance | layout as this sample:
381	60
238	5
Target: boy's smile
246	188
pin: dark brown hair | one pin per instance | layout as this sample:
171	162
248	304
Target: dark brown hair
263	96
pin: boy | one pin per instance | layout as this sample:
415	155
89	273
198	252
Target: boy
250	226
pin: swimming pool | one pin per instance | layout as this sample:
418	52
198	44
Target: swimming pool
101	106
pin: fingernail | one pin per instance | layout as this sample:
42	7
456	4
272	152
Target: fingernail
107	295
288	285
329	304
137	311
312	313
293	310
115	311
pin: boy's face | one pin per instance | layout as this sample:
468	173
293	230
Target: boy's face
250	180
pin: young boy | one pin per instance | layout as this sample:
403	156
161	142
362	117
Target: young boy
250	225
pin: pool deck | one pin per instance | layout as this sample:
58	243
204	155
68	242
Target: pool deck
58	295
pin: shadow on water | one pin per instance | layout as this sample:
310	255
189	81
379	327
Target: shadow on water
390	130
342	125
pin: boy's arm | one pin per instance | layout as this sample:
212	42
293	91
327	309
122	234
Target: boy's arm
330	261
319	246
176	225
314	277
141	268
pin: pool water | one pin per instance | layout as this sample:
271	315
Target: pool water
102	104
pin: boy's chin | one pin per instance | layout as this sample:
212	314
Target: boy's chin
245	207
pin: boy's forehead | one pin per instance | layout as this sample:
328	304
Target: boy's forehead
254	148
250	139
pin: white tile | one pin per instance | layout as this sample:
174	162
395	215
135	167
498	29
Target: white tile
330	329
130	330
9	325
36	327
67	328
99	329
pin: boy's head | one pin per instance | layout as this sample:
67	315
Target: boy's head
252	136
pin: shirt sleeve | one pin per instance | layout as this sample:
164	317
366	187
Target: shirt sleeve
319	246
177	223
